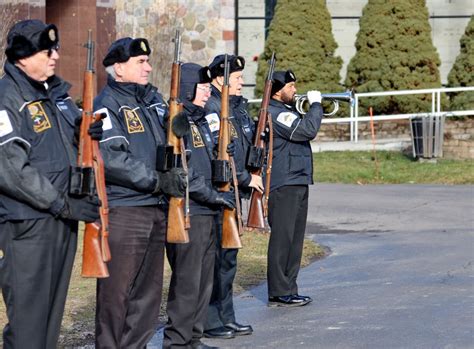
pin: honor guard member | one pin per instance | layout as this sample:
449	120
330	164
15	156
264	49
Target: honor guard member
292	173
38	219
192	264
221	322
128	302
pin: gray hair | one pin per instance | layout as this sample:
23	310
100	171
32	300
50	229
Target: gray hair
111	71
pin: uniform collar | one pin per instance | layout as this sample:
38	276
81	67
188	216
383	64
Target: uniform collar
142	93
195	113
33	90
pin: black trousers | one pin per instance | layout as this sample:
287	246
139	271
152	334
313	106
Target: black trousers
221	306
192	267
34	276
287	212
128	302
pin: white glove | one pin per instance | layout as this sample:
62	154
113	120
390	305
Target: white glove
313	97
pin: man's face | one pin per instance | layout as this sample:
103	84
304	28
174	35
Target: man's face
235	83
41	65
136	70
287	93
203	92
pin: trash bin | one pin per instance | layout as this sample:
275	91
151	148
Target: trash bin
427	134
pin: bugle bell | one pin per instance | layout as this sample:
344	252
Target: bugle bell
302	103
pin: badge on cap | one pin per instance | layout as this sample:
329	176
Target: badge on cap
52	35
292	75
208	73
238	62
143	46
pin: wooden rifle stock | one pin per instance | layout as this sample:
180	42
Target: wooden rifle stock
230	227
257	210
178	221
96	251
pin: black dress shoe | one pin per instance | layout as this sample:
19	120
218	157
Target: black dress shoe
286	301
239	330
306	298
219	332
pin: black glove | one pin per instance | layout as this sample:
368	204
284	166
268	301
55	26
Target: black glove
231	149
172	182
86	209
95	130
226	199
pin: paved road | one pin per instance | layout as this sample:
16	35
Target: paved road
400	273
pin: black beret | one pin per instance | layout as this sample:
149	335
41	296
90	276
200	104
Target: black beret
122	49
281	78
191	75
28	37
236	63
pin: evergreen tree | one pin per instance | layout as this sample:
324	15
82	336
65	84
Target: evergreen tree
462	72
300	34
394	52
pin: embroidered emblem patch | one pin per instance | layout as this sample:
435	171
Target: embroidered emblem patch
286	118
134	124
39	117
197	139
233	131
5	123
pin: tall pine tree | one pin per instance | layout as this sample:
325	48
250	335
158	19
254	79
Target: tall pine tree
394	52
300	34
462	72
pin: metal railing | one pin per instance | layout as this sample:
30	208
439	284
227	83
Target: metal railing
354	117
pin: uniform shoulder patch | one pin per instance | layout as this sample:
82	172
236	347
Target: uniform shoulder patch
5	123
107	122
286	118
39	117
134	124
213	121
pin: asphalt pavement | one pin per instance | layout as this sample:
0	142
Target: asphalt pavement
400	273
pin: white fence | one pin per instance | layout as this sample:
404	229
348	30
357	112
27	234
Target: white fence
354	117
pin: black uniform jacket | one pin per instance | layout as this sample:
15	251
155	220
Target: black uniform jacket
242	131
292	133
133	130
201	144
36	144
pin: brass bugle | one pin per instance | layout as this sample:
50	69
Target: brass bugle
302	103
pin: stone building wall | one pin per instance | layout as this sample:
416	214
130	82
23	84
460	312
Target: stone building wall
207	28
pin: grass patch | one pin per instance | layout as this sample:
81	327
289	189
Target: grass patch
78	323
393	168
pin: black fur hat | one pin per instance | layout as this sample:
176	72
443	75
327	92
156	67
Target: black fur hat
281	78
28	37
122	49
191	75
237	63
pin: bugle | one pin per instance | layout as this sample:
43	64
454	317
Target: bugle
302	103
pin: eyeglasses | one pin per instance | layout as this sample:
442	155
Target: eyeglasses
204	88
49	52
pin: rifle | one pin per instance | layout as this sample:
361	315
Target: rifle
178	214
258	209
230	227
88	179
